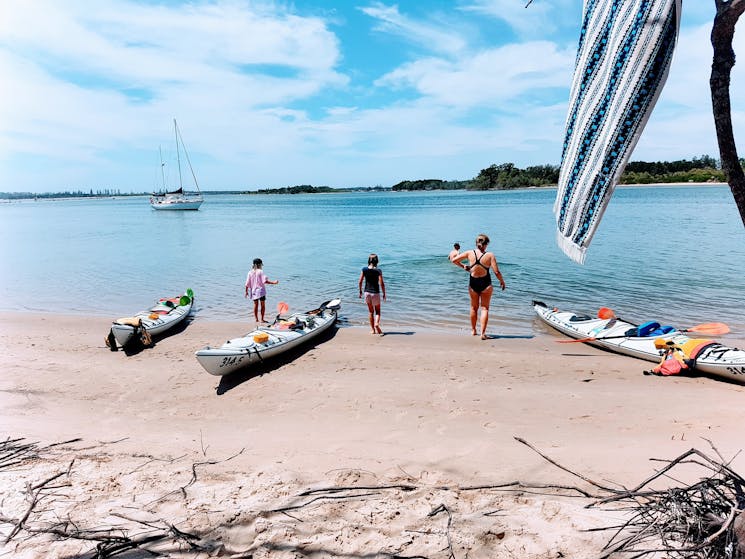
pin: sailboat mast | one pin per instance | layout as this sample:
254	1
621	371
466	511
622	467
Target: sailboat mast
178	156
191	169
162	170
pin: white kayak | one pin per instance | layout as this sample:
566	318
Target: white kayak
268	341
165	314
619	336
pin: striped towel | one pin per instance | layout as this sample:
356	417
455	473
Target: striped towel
624	54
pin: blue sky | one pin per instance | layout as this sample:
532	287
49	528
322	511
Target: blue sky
345	93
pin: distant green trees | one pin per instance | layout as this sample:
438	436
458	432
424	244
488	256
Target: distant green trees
506	175
698	169
298	189
430	184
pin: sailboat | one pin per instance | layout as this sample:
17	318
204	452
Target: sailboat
177	199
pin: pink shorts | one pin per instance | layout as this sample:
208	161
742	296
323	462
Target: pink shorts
372	299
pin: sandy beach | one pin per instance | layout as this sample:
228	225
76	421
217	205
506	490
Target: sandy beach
357	446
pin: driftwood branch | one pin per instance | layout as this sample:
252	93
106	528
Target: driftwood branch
194	477
35	495
436	511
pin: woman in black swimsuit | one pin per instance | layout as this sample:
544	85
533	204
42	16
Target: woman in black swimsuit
480	288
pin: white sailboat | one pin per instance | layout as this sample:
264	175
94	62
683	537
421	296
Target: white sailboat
177	199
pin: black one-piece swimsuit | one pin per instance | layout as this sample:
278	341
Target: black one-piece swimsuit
481	283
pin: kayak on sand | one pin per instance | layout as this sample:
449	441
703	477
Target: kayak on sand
165	314
264	342
620	336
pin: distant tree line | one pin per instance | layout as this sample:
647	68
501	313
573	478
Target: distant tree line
298	189
431	184
495	177
506	176
106	192
309	189
698	169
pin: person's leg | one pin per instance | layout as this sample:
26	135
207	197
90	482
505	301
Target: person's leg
256	309
485	302
474	309
263	309
371	310
377	319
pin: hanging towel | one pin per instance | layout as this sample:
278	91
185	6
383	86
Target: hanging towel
624	54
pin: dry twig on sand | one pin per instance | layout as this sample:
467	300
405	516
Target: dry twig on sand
699	520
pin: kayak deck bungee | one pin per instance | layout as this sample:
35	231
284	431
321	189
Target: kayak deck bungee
268	341
620	336
165	314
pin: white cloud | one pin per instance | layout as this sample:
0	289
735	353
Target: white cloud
68	68
488	78
434	36
539	19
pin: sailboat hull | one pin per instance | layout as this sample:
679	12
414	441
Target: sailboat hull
176	203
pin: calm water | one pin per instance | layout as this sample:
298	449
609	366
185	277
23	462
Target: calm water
673	253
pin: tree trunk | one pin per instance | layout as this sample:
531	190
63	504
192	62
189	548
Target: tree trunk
728	12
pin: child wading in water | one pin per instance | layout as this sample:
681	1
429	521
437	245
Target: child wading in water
374	286
255	287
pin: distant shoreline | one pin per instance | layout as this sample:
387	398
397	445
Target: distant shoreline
44	197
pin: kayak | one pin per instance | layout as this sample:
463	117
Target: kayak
269	341
165	314
620	336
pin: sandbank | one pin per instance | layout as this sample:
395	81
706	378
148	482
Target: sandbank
160	439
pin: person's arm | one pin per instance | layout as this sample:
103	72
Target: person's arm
362	277
267	280
497	273
247	288
382	285
458	258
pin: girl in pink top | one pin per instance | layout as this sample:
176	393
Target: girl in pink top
255	287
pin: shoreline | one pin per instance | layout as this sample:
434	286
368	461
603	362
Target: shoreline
43	197
430	410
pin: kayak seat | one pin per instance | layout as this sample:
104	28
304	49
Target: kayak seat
580	318
662	330
645	330
160	310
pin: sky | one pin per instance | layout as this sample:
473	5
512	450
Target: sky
329	93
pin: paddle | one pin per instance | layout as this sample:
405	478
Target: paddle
282	307
709	328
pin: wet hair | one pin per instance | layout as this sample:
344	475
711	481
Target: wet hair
456	245
482	239
258	263
372	259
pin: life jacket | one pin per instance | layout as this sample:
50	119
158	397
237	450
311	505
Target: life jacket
673	362
693	347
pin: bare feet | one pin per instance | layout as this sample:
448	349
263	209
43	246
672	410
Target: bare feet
483	336
378	330
473	332
373	332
